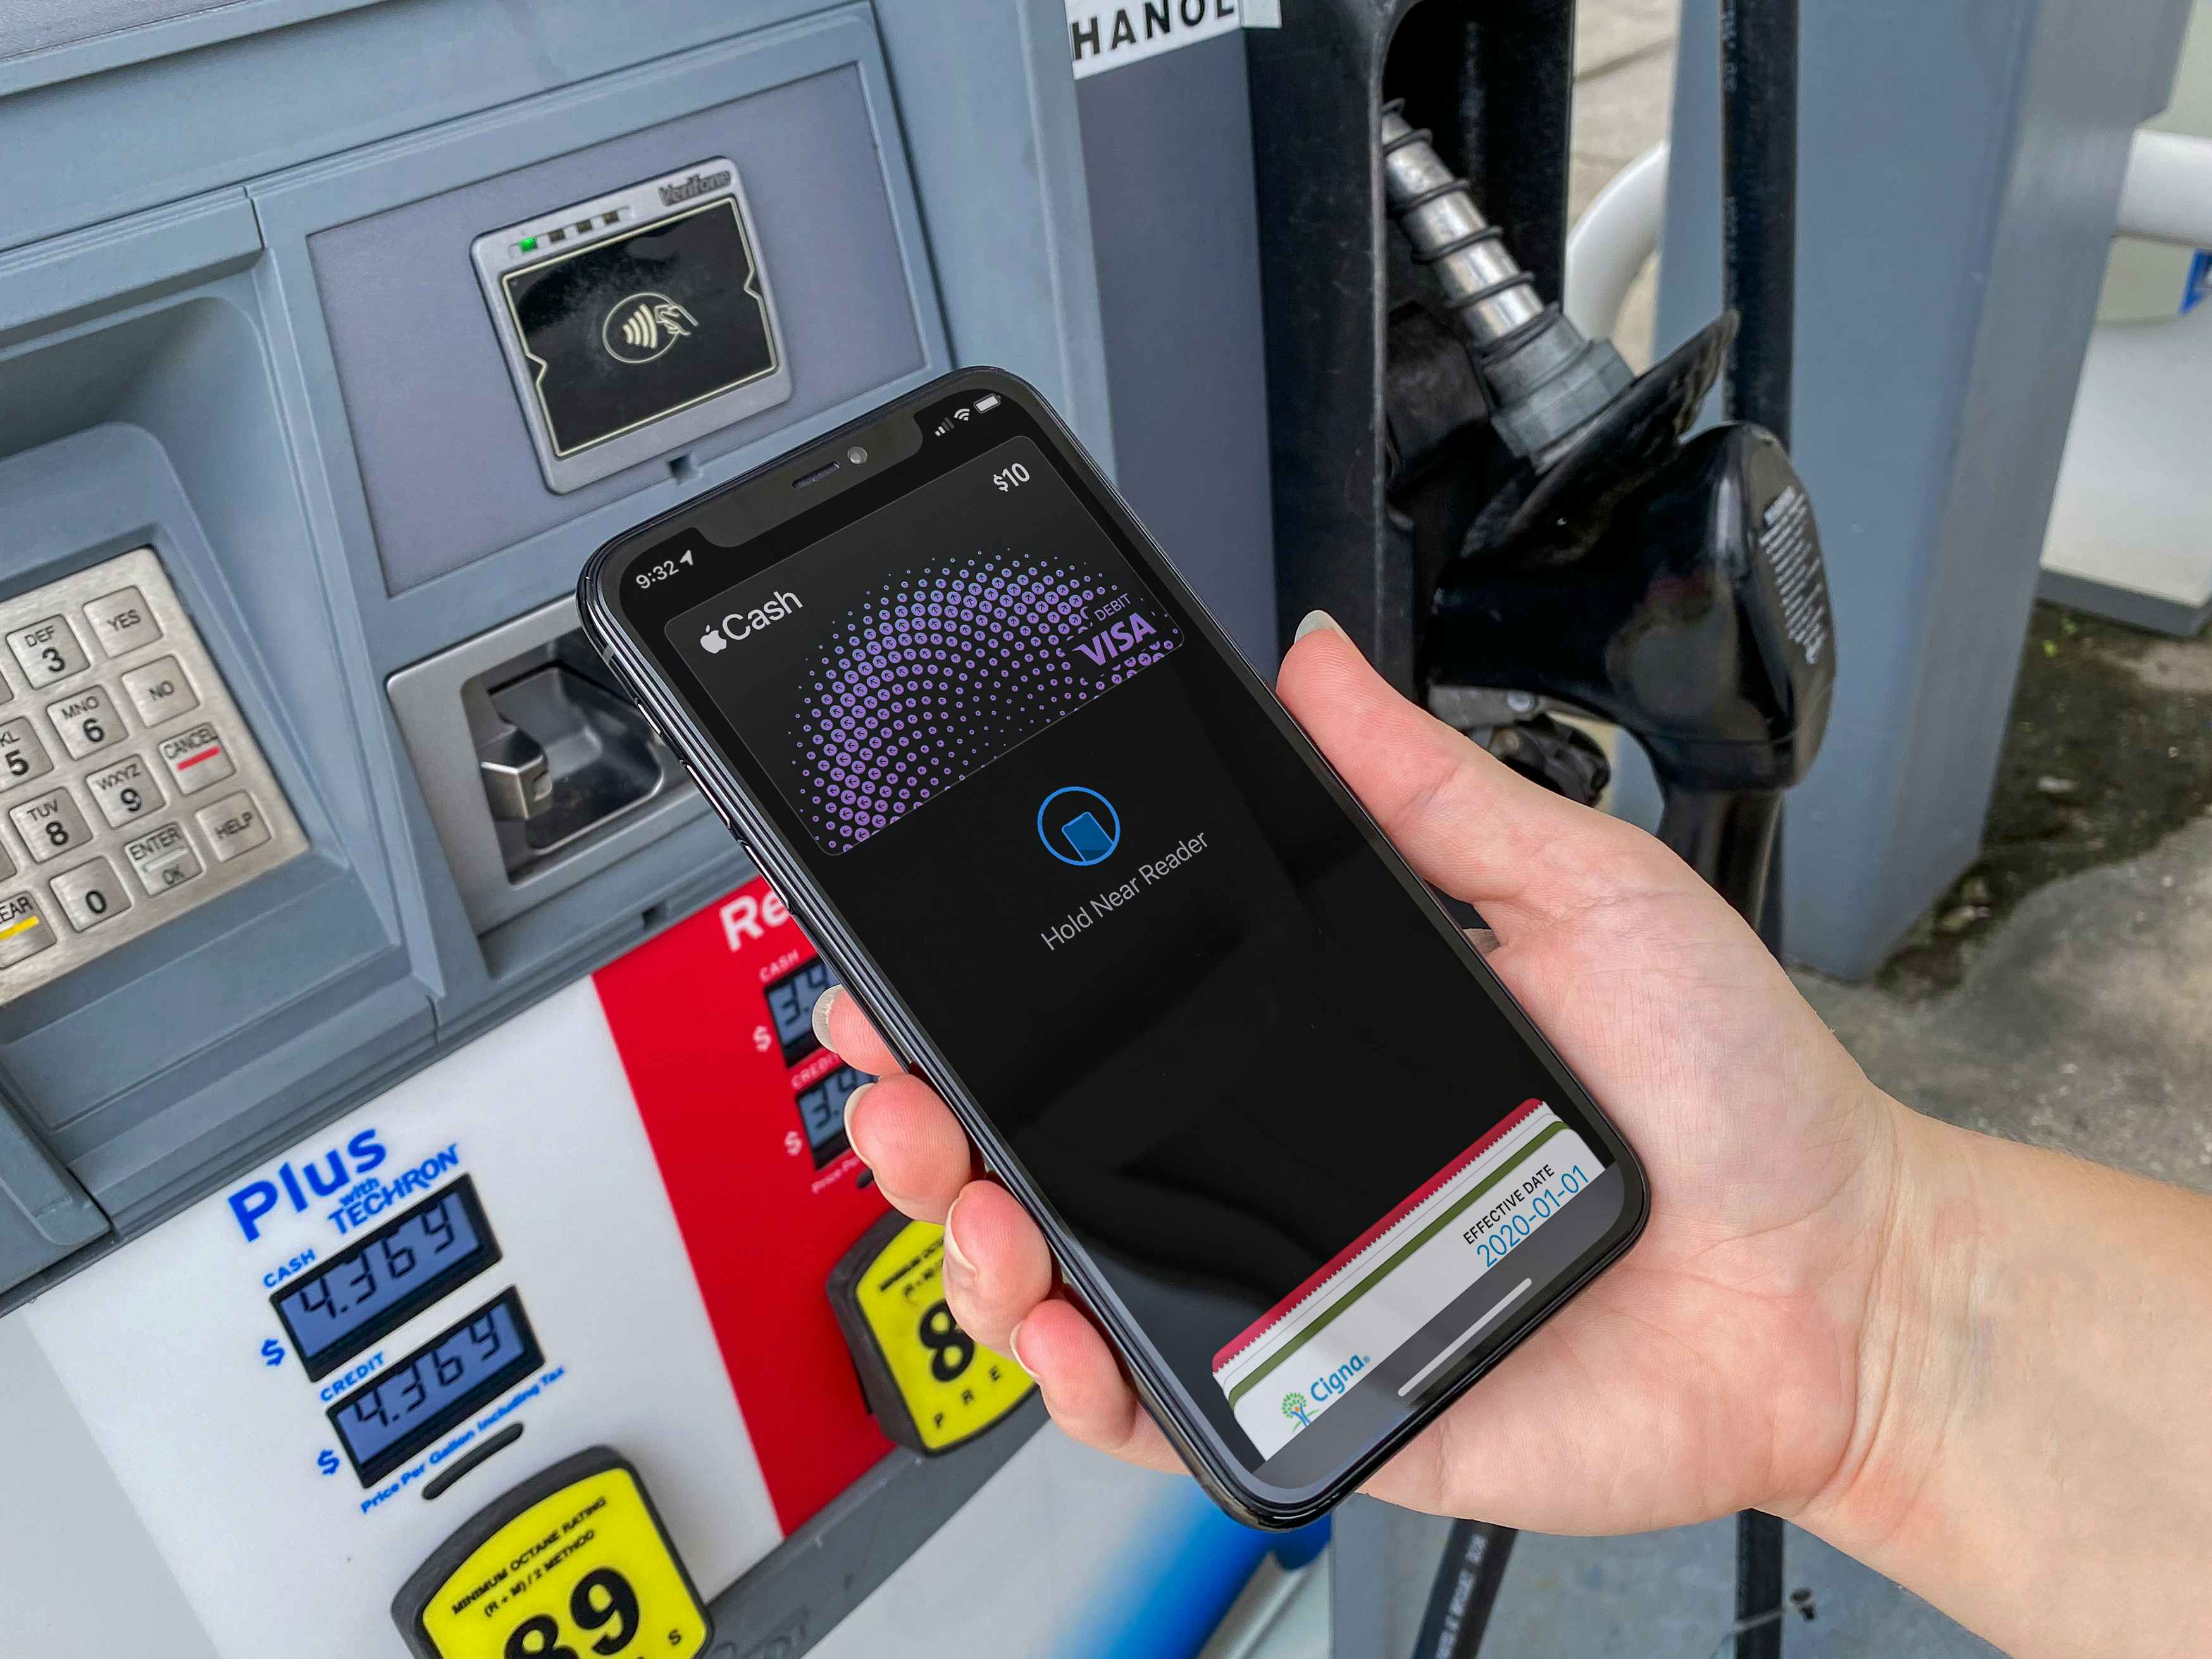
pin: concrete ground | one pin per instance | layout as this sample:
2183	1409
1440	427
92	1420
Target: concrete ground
2056	994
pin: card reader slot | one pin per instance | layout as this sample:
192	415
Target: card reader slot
537	771
591	759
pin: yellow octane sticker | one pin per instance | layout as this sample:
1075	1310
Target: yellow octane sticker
585	1571
953	1386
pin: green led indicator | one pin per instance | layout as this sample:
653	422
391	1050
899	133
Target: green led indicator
528	245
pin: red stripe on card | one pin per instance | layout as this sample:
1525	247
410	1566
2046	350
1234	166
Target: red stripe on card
1275	1314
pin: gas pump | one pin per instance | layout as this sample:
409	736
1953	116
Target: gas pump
425	1221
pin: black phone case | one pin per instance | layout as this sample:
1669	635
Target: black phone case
1163	1394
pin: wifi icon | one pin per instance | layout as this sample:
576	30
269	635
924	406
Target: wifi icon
961	415
640	330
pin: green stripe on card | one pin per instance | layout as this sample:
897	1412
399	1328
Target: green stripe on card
1438	1225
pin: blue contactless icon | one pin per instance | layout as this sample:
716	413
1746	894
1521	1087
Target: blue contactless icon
1078	826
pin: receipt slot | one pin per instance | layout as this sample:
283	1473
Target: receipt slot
576	1559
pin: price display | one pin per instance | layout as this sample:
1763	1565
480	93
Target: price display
378	1284
412	1403
573	1561
822	1111
791	1005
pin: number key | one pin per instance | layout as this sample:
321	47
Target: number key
23	756
122	790
90	895
48	651
51	825
88	721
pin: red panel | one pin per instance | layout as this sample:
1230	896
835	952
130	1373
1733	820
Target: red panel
763	1225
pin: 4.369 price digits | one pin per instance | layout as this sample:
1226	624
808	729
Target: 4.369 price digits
604	1608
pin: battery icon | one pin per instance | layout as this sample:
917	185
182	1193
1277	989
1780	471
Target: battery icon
985	405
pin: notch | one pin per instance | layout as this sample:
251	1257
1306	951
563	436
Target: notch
815	473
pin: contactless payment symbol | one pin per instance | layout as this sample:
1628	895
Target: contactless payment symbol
641	327
1078	826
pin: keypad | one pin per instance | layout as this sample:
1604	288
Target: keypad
116	730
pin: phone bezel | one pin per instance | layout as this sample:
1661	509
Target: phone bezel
606	623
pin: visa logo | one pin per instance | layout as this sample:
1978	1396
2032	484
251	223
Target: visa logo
1111	642
323	1176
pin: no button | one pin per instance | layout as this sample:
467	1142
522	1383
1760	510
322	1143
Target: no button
1078	826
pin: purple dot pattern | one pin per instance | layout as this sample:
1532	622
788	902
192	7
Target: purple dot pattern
941	669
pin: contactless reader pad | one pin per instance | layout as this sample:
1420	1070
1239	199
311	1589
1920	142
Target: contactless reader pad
635	322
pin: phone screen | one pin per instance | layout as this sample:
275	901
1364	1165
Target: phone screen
1297	1128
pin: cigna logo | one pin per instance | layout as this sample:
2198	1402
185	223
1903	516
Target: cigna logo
741	625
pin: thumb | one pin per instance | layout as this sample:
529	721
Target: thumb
1466	822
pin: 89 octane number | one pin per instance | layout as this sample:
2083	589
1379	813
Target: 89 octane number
604	1608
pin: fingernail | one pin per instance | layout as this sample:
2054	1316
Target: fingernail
952	1240
1314	622
1014	1342
822	1004
851	1101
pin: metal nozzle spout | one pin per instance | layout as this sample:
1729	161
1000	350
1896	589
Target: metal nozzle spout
1546	382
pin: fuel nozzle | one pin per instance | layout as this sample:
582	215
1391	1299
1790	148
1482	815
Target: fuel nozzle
1544	380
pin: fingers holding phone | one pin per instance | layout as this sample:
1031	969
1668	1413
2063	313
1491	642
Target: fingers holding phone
999	1274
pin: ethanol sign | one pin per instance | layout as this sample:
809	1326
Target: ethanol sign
1106	34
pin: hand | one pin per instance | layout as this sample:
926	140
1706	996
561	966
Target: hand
1718	1365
